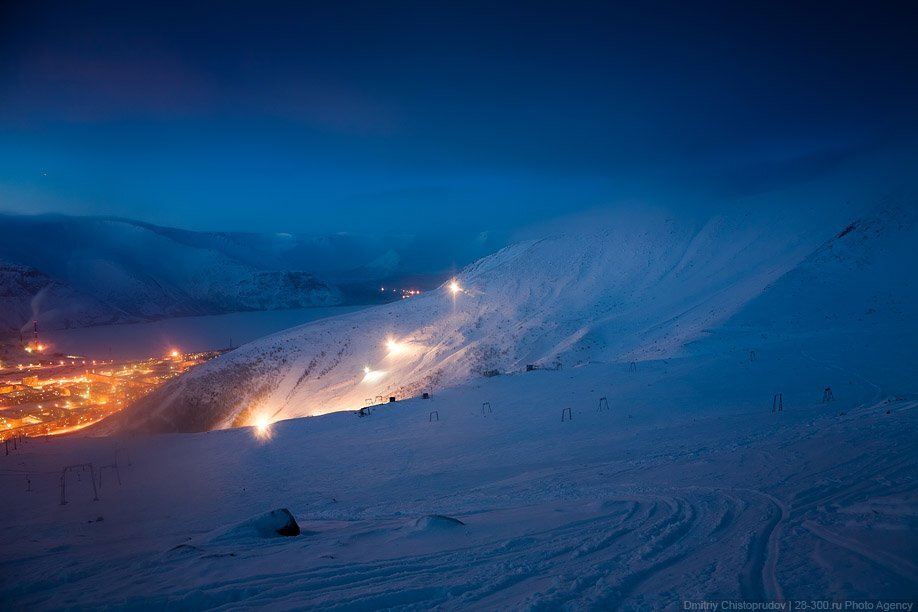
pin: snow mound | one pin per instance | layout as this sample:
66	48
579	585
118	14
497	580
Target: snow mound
437	522
273	524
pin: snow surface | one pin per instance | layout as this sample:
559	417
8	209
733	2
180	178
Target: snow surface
688	487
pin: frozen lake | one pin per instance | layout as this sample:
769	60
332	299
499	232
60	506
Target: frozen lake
188	334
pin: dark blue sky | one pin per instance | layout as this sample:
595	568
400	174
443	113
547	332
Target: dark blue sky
395	116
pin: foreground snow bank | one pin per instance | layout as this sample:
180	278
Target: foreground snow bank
275	523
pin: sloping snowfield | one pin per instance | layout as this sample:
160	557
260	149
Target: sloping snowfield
634	287
687	487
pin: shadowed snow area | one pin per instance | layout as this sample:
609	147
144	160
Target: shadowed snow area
657	465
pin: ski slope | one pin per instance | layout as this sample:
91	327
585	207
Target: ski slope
637	286
688	487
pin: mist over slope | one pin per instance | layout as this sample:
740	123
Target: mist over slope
78	271
863	276
633	286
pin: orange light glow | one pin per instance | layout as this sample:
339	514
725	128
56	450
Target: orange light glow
262	427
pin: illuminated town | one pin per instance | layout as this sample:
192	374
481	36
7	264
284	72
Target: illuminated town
46	393
402	293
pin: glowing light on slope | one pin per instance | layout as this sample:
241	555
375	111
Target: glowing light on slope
454	286
394	347
262	427
371	376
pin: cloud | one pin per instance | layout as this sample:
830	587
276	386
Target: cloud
83	89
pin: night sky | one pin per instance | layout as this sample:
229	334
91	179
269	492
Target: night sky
394	116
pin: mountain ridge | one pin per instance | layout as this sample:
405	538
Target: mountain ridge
644	288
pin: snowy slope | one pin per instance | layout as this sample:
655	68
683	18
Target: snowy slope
635	287
857	290
687	487
863	276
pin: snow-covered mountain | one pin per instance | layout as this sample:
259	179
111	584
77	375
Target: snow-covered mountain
78	271
27	293
71	272
633	286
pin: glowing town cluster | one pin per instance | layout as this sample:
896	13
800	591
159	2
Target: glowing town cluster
64	393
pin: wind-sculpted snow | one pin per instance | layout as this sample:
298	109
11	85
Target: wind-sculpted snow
637	287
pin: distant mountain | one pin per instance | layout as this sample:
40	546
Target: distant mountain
71	272
27	294
77	271
635	287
